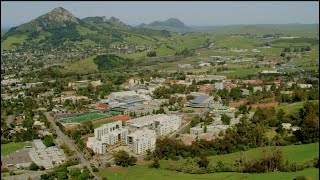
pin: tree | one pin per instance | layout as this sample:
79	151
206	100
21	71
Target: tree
155	163
48	141
225	119
122	158
204	162
152	54
286	49
309	132
205	128
33	166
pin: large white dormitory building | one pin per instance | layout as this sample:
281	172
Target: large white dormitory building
141	133
111	133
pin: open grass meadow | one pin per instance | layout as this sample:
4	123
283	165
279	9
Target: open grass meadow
294	153
12	147
293	107
83	66
142	172
7	44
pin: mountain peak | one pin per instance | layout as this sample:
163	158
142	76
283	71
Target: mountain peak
56	18
59	14
171	24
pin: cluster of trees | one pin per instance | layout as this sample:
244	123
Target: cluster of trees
226	96
152	54
62	172
165	92
298	95
48	140
186	52
108	62
296	49
122	158
243	137
177	76
271	160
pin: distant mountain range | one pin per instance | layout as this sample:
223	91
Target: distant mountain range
172	24
59	26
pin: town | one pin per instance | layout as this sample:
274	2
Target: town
105	100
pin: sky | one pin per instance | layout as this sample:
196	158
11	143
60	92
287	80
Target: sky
192	13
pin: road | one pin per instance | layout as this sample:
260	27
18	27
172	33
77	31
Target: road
180	130
35	175
65	139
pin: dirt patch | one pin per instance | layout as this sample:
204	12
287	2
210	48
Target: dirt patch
143	162
264	105
114	169
238	104
118	118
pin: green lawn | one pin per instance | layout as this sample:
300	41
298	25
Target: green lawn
12	147
293	107
104	122
145	173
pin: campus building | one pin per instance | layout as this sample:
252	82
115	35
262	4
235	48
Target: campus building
142	140
163	124
201	102
111	133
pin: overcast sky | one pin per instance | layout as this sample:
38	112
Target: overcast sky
191	13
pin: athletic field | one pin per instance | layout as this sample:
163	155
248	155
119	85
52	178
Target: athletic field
89	117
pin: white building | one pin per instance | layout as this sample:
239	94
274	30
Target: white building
111	133
142	140
163	124
286	125
43	156
305	85
117	95
196	130
97	145
256	88
218	85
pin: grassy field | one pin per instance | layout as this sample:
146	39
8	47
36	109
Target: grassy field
145	173
85	118
83	66
293	107
7	44
103	122
12	147
294	153
242	71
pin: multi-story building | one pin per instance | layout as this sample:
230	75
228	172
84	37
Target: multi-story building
142	140
201	102
218	85
111	133
165	124
141	109
161	123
